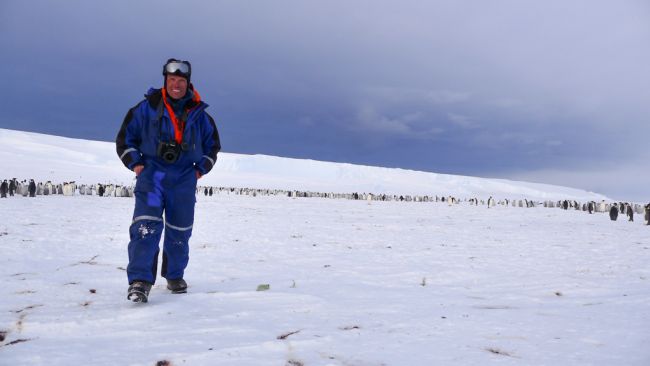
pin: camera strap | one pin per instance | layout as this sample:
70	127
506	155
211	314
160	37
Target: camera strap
159	113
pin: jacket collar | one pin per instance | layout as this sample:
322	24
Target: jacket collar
154	97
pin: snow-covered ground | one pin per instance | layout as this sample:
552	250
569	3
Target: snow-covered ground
350	283
27	155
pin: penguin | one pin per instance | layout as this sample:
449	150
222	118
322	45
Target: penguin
32	188
12	186
4	188
630	213
613	212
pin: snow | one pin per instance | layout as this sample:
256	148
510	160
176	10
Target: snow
349	282
59	159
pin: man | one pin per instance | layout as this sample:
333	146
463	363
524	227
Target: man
169	141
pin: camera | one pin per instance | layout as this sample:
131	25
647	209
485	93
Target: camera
170	151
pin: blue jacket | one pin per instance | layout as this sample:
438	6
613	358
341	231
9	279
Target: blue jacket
148	124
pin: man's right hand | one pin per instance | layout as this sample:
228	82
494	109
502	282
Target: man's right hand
138	169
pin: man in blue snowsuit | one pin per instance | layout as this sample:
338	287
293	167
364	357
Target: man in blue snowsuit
169	141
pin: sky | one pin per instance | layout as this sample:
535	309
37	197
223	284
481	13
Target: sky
545	91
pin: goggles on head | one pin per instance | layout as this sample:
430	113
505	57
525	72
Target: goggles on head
177	67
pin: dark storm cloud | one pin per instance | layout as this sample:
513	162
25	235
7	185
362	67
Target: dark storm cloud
471	87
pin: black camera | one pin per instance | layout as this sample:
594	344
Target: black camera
170	151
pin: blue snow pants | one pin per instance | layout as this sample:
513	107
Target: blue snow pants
161	189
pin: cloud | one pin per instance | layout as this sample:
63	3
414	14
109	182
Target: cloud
447	96
505	102
554	143
625	181
388	94
306	121
404	125
464	122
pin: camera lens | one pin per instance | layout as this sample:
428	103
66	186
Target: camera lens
169	157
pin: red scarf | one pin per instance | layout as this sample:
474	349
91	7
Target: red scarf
179	126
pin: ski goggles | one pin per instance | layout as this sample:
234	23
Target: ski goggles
177	67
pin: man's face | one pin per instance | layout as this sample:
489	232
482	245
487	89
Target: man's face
176	86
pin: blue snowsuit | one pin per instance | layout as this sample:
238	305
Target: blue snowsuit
164	187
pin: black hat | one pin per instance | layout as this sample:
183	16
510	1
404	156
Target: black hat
177	67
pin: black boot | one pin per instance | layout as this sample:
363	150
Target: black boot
178	286
139	291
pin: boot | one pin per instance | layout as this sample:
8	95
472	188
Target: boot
178	286
139	291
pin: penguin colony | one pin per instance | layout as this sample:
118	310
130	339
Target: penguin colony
11	187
